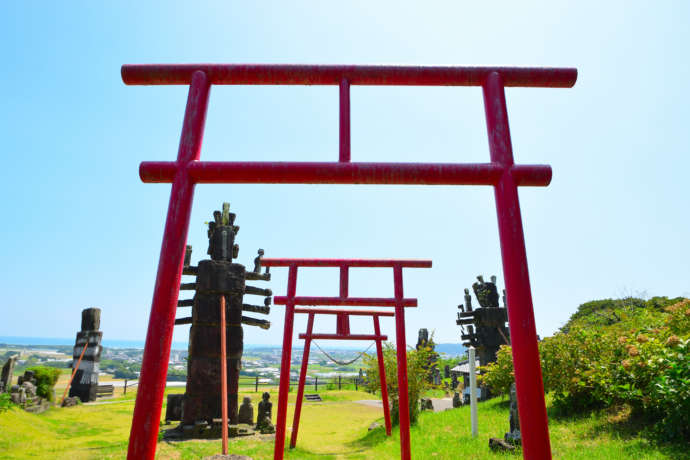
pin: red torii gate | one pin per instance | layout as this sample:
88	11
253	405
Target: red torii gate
343	333
501	173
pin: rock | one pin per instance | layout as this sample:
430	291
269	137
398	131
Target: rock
374	426
499	445
71	401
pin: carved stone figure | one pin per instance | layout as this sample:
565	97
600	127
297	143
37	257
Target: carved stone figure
263	420
514	437
216	277
446	371
422	338
246	411
457	401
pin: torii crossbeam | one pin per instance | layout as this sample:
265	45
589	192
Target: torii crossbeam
343	333
501	173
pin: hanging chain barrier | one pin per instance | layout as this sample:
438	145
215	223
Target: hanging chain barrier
343	363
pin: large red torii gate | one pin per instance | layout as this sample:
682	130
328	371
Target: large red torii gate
501	173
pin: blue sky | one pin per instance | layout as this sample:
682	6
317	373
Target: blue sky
80	229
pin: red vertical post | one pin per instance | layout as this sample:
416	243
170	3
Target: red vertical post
382	377
154	367
344	155
523	332
285	364
302	379
344	281
223	377
401	349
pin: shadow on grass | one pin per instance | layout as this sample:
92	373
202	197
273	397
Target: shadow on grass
369	440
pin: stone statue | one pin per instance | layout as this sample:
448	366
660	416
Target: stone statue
263	420
514	437
446	371
7	373
468	300
457	401
246	411
422	338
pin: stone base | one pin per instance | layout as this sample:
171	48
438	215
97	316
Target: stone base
202	430
499	445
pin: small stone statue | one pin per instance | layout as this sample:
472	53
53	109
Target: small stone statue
422	338
514	437
446	371
263	420
468	300
454	382
246	414
457	401
257	261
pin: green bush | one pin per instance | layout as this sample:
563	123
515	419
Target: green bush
419	365
5	402
641	360
46	378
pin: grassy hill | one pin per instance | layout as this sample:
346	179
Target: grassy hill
334	429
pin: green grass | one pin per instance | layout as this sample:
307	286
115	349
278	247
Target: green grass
333	429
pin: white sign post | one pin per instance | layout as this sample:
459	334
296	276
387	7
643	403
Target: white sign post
473	392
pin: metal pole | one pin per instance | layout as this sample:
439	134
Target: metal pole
382	378
154	367
316	384
285	365
223	376
125	392
256	385
473	391
523	331
401	349
302	379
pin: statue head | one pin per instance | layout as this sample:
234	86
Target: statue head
247	400
265	396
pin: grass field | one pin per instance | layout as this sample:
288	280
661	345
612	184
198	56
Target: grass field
333	429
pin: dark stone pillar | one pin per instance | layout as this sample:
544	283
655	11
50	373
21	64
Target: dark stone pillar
85	380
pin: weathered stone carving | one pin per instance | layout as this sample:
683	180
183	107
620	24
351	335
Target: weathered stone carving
514	436
246	414
216	277
457	401
7	374
85	380
263	420
486	325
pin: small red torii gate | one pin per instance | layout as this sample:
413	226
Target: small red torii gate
501	173
343	333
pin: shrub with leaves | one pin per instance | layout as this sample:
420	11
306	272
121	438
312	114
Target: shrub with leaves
418	369
46	378
642	360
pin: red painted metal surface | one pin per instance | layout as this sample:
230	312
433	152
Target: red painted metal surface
501	173
302	380
291	74
346	302
344	121
324	311
343	333
523	331
284	385
382	376
154	367
267	172
223	377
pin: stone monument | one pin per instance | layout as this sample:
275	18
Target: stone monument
85	380
486	325
7	374
514	436
263	419
216	277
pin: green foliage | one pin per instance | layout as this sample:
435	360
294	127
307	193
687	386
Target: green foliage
641	360
46	378
419	365
5	402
